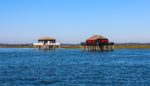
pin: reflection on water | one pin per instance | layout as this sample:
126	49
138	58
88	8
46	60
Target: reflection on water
30	67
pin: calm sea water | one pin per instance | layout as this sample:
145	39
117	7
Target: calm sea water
63	67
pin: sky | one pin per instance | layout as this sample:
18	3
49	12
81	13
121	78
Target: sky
73	21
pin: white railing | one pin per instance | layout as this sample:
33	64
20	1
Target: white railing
53	44
38	44
46	44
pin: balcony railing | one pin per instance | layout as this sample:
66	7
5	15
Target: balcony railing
40	44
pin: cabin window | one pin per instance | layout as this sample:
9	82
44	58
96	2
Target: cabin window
104	41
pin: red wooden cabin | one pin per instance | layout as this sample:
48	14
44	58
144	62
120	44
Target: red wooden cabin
97	40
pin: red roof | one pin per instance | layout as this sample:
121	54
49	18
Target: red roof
95	37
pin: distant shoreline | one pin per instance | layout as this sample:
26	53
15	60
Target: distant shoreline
76	46
120	46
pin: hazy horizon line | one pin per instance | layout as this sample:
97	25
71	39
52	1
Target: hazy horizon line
72	43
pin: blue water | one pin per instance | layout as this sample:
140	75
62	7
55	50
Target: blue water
72	67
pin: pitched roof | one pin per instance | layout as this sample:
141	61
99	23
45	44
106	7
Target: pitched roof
46	38
95	37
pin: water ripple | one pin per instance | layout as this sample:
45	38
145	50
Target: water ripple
72	67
